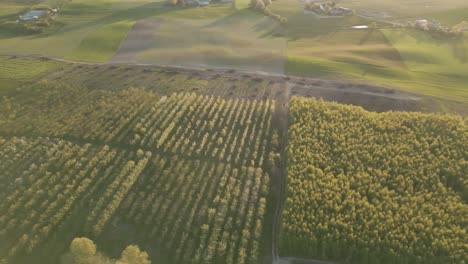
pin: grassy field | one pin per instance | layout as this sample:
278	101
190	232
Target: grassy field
407	8
17	71
240	41
438	86
94	48
407	59
222	35
423	53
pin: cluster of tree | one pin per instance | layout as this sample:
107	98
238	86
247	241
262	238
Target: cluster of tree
202	212
115	192
70	111
186	123
434	28
48	181
375	188
262	6
83	251
203	194
196	125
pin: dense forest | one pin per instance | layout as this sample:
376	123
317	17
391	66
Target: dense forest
375	188
184	176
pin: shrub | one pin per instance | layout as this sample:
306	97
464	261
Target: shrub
43	23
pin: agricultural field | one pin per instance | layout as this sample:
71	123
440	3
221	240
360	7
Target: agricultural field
15	71
244	132
231	36
384	55
374	188
74	165
231	42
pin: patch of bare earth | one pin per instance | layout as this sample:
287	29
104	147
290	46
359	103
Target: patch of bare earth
373	98
138	39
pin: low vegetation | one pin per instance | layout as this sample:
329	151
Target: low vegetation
375	188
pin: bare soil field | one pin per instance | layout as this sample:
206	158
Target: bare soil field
237	42
138	39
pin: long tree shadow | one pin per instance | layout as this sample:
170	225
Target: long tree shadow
367	36
261	24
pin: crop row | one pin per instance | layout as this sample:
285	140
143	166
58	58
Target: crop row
48	184
228	130
202	212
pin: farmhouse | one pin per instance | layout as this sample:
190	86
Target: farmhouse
203	2
340	11
34	14
427	24
327	9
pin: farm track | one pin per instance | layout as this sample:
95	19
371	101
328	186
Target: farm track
330	84
282	181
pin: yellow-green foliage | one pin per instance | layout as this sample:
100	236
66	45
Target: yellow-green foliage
186	171
375	188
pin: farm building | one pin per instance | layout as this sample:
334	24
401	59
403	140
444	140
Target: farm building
203	2
34	14
427	23
340	11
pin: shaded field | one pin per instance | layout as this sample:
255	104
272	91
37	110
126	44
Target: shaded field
239	42
410	60
354	46
424	53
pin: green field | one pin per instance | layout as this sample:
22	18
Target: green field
227	36
407	59
228	42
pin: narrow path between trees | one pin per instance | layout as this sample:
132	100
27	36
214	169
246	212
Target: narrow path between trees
282	119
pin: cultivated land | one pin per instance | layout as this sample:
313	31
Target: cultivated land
231	36
181	175
233	42
169	128
223	129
